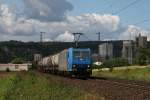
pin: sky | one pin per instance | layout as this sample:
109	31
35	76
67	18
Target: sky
133	14
23	20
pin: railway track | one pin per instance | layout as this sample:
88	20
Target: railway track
110	89
129	90
114	89
126	83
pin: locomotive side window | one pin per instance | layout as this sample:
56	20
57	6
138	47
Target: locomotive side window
77	54
81	54
85	54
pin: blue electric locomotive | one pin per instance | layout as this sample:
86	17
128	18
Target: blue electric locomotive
74	61
78	61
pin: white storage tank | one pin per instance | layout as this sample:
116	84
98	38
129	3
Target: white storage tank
106	50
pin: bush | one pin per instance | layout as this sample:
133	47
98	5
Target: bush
34	65
116	62
111	69
7	70
96	66
17	61
142	56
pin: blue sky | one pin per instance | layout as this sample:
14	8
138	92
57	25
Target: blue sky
133	14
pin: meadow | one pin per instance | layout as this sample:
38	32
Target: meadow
141	74
35	86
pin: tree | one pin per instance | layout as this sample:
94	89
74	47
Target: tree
17	61
115	62
143	56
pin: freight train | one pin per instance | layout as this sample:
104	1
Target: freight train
72	61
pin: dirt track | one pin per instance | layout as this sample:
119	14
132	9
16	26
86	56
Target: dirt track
111	89
6	74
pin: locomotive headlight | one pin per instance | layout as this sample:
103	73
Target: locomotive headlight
88	66
74	66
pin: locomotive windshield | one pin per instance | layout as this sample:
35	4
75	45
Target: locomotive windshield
81	54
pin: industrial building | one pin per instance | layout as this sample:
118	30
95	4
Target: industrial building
128	50
131	47
141	41
15	67
37	57
106	51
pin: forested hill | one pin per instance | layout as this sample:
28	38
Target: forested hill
15	49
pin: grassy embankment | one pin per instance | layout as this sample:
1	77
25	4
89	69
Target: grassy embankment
33	86
142	74
5	82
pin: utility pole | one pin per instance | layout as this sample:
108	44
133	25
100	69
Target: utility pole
76	38
131	55
99	36
41	37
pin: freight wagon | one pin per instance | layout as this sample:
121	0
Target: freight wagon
70	61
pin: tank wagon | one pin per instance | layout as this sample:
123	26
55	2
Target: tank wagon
70	61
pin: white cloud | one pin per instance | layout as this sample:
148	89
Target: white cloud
24	29
66	37
6	16
86	23
93	23
10	26
132	32
46	10
47	40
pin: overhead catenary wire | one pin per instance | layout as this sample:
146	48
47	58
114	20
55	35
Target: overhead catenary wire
111	5
143	21
87	38
126	7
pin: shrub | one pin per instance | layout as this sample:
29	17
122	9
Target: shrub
34	65
111	69
127	71
143	56
116	62
7	70
96	67
17	61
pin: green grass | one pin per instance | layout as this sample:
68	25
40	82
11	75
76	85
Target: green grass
5	84
130	74
33	86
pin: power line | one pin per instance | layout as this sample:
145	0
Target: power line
87	38
126	7
110	6
145	20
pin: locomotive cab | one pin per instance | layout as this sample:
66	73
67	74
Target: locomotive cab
80	61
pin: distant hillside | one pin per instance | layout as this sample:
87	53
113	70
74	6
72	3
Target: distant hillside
12	49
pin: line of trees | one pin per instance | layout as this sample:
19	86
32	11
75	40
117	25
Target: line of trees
142	57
